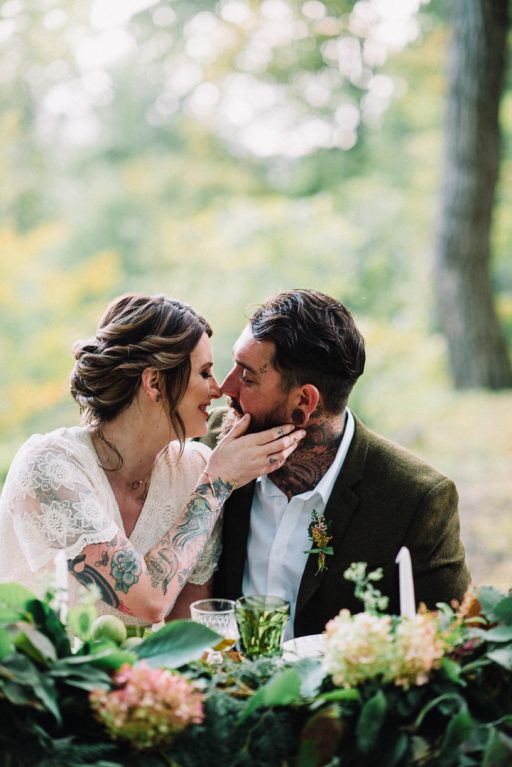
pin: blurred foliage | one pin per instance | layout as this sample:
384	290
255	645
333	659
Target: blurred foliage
136	156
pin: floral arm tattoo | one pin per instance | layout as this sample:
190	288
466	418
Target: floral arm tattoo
118	566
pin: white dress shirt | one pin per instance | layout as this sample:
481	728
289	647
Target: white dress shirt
278	534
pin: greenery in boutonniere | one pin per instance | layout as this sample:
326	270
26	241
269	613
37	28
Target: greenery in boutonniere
319	532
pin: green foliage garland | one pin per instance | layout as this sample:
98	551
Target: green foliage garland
262	713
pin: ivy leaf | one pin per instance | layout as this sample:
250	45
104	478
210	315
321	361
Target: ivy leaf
176	644
282	690
371	721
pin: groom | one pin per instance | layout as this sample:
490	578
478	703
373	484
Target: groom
345	490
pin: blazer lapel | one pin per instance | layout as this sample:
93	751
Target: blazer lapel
237	516
340	510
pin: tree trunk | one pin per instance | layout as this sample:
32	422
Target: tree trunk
477	349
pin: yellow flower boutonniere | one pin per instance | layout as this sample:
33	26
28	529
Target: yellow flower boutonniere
319	532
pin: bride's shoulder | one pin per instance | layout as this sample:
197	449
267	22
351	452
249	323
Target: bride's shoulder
66	442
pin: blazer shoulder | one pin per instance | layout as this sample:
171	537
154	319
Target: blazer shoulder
387	460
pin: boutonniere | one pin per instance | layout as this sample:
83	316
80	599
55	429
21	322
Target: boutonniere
319	532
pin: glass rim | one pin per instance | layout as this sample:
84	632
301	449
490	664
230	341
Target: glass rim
262	601
197	606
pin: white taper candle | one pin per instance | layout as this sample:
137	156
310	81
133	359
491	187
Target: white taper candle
406	583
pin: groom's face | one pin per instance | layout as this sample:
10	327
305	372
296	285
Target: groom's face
254	385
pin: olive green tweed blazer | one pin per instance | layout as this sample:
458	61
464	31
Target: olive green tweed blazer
384	498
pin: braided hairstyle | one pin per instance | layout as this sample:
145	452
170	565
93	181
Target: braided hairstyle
135	332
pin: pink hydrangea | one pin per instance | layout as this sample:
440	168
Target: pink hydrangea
357	647
419	648
149	707
365	646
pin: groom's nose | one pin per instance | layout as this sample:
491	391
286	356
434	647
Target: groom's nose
230	384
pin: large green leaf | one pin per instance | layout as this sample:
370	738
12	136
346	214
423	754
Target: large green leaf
45	691
176	644
282	690
489	596
34	643
458	730
496	634
495	606
48	621
503	610
311	676
371	721
6	643
86	676
502	657
14	600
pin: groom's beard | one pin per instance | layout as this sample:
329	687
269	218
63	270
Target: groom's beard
274	417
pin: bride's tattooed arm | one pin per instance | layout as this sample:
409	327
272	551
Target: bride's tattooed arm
147	585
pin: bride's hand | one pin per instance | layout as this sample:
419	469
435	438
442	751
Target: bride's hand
240	458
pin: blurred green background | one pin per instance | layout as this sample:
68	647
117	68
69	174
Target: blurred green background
219	152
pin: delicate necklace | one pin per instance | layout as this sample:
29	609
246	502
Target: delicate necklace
135	484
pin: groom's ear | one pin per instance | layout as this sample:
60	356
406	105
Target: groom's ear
306	402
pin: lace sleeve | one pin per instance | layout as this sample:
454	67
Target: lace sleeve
54	504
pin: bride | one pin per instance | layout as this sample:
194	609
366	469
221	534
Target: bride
130	500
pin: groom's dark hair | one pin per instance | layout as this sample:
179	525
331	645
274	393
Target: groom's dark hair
316	342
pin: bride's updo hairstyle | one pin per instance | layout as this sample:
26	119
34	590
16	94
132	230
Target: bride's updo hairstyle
136	332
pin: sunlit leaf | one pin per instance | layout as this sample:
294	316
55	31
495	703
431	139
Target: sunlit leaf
282	690
175	644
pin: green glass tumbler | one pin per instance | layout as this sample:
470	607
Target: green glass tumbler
261	621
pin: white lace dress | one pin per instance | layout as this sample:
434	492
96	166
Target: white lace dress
57	498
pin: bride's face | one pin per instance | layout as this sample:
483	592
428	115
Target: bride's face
202	388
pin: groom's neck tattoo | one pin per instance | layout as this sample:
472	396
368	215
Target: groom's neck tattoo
307	465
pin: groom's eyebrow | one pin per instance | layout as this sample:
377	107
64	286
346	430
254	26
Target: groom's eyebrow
246	367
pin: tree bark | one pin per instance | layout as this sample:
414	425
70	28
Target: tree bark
477	350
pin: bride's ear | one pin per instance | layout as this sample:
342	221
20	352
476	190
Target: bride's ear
150	382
